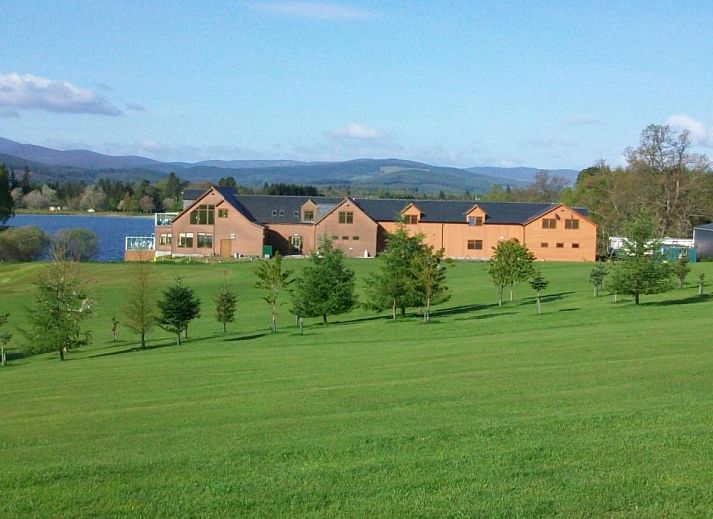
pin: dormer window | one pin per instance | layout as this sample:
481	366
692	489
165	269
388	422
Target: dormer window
411	219
308	215
475	221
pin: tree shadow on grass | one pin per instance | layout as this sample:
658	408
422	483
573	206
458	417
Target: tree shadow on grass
463	309
546	298
484	316
247	337
673	302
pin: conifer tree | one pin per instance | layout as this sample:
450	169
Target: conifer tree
538	283
429	266
396	283
273	279
225	303
7	203
178	307
641	269
326	285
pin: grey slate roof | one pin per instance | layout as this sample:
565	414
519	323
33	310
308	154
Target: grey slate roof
286	209
706	227
192	194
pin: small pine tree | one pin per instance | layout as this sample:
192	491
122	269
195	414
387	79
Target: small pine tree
273	279
538	283
681	269
597	277
178	308
225	303
326	285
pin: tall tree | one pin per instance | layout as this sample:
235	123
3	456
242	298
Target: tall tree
395	285
61	304
7	203
178	308
225	302
326	285
273	278
511	263
641	269
140	307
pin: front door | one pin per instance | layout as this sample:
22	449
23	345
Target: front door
226	250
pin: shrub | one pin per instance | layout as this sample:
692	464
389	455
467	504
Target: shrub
77	244
23	244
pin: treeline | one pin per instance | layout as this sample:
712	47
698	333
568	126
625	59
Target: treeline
18	244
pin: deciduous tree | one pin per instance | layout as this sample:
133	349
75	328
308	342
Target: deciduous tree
273	278
511	263
432	285
681	269
140	307
597	276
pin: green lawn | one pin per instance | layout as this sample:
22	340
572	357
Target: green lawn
592	409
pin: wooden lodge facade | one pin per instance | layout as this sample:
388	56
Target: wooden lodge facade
222	224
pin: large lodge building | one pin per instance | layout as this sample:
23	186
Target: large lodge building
221	223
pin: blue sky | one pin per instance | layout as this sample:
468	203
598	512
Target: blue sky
465	83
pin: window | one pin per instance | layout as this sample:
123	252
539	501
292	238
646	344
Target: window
560	245
308	215
282	212
185	239
475	221
335	238
222	213
475	244
575	245
203	215
346	217
549	223
471	221
274	212
571	223
296	214
345	237
544	245
355	238
205	240
164	239
411	219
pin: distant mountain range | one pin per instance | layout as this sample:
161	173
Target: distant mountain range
49	164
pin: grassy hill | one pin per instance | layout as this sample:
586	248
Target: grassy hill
592	409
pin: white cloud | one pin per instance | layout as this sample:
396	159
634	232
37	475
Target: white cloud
584	120
311	9
356	131
697	130
28	92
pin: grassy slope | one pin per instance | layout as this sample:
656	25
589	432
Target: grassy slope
592	409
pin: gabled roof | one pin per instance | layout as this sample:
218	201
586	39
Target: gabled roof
450	211
281	209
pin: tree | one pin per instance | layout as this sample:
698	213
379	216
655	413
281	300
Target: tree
641	270
178	308
79	244
4	338
429	266
273	279
511	262
93	197
538	283
61	304
7	203
326	285
140	307
597	276
225	303
395	285
23	244
681	269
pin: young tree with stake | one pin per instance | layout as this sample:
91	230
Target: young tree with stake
273	279
511	262
681	269
597	277
140	307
